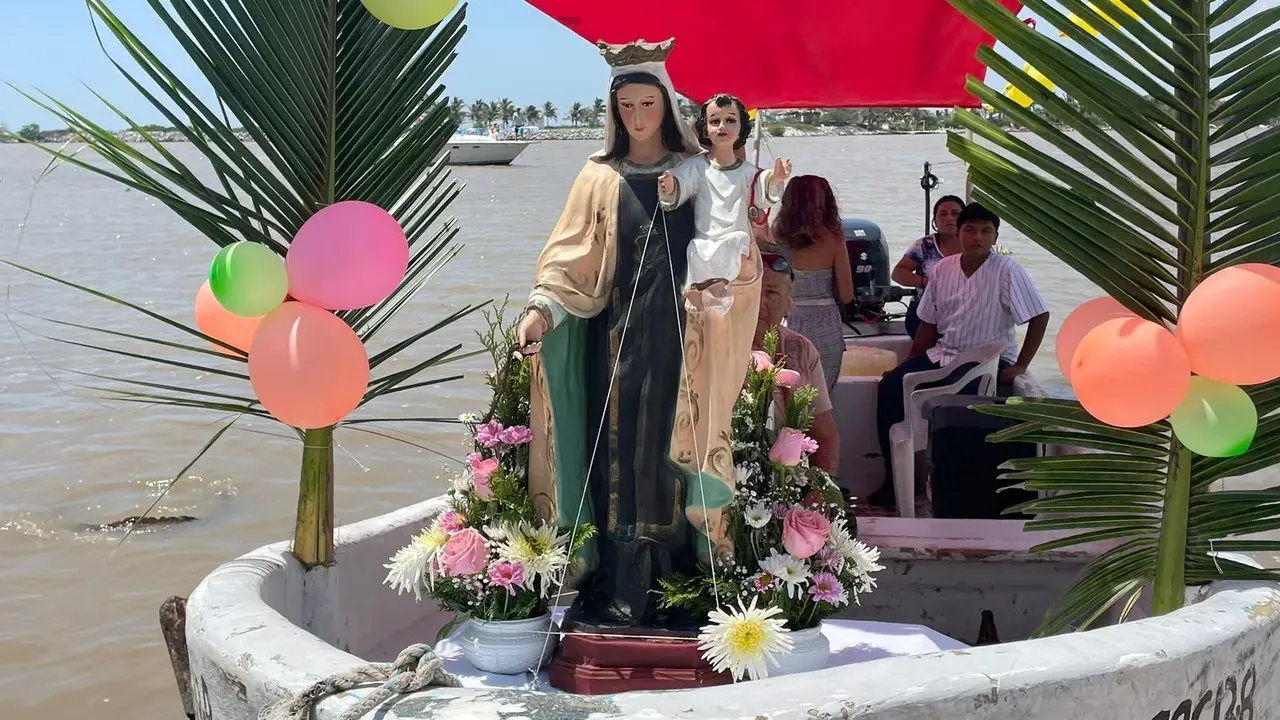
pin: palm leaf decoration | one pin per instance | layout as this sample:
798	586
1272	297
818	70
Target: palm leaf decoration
1166	181
335	105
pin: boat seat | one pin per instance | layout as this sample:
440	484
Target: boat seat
911	436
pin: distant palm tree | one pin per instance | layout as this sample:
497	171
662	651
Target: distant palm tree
457	111
480	114
576	114
495	111
549	112
532	114
507	110
597	111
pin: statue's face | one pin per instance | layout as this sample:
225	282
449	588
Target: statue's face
724	127
640	110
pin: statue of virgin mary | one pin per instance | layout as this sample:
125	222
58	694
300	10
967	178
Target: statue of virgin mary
632	393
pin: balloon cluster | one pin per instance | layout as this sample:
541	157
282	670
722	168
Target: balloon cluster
308	368
1130	372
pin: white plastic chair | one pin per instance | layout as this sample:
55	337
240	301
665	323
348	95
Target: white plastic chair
912	434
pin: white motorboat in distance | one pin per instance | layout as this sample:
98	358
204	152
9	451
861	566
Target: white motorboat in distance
484	149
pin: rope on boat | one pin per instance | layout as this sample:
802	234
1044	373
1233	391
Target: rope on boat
415	668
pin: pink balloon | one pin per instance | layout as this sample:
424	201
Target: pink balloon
1087	316
307	367
349	255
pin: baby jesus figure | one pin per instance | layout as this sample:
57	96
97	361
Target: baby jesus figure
726	193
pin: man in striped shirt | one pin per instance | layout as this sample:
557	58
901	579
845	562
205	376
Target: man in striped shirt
975	297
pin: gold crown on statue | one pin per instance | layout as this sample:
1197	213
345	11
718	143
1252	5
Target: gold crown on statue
635	53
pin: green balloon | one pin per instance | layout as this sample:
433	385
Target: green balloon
248	279
1215	419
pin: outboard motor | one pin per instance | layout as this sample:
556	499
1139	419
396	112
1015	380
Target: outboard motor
869	259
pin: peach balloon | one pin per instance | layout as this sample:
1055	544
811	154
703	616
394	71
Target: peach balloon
1230	325
217	322
308	368
1087	316
1130	372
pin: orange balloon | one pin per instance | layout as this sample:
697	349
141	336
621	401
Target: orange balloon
308	368
1130	372
1084	318
217	322
1230	325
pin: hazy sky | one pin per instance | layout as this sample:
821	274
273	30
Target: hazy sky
510	50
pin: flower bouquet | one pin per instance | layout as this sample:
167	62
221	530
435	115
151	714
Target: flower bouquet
795	560
487	558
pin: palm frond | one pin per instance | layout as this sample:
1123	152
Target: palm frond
1155	175
335	106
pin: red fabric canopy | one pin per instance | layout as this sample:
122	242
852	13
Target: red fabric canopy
802	53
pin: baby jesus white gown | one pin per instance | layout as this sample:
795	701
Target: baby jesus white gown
722	228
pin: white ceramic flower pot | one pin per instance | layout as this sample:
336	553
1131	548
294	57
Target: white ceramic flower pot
508	647
811	652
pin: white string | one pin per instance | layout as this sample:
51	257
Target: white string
693	426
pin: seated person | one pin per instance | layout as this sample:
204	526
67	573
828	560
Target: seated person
800	353
973	298
913	269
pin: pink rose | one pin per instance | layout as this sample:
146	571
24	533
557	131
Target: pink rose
481	469
804	532
466	553
761	360
788	450
489	434
788	378
516	435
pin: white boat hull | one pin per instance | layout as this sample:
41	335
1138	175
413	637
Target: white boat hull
261	626
485	151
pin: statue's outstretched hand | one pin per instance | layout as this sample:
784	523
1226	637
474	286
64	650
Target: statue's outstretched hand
529	335
781	170
666	184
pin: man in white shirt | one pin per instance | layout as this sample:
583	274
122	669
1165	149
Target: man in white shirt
974	297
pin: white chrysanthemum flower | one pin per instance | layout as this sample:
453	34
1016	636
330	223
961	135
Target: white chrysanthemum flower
758	515
745	641
417	561
840	539
788	569
471	418
540	550
865	560
745	396
495	532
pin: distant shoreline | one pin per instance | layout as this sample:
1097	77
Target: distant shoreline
555	133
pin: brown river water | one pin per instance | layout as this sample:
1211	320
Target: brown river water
78	626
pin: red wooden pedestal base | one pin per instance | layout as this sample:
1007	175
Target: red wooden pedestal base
613	661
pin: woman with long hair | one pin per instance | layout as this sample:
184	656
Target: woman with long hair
913	269
809	226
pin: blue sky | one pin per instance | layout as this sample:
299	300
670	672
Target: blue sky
510	50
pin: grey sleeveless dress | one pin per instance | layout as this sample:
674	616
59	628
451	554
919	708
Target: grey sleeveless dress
816	315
